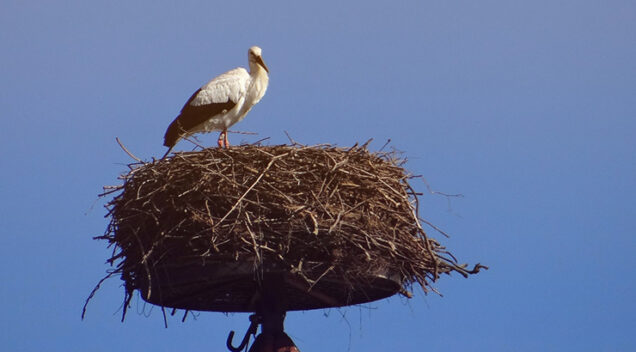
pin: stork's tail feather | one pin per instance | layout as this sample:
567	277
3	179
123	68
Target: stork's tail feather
173	134
167	152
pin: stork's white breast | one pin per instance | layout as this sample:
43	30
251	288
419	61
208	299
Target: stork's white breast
231	85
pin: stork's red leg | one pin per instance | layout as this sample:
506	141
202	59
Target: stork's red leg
222	138
227	142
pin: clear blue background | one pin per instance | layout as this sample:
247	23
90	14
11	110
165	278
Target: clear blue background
527	108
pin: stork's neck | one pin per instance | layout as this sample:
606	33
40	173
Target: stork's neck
258	85
258	73
257	70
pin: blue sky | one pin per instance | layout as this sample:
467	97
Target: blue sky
528	109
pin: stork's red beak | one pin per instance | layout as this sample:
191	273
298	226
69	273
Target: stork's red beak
259	60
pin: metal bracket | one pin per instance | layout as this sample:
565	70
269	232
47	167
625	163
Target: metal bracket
255	320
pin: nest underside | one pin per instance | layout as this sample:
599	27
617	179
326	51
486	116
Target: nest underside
314	210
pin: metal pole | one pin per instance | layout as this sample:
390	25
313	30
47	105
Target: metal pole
272	312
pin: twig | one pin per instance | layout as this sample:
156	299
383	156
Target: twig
249	189
385	144
258	142
90	296
291	140
194	141
246	133
126	150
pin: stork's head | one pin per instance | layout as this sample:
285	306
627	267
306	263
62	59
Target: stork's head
254	57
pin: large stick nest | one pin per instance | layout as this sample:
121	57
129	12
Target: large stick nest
313	210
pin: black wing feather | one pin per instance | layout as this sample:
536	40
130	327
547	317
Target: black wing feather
192	116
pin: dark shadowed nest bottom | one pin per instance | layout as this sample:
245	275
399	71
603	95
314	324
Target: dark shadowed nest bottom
328	226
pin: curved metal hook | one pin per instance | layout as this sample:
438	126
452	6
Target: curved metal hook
246	339
241	346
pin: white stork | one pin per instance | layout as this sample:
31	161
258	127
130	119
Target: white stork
222	102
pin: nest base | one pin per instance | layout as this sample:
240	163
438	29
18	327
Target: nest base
238	287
